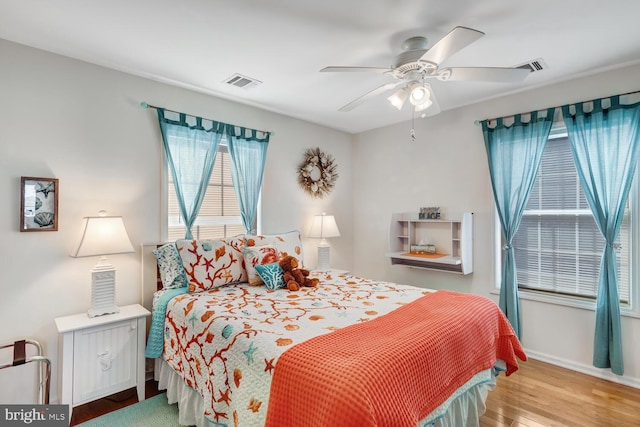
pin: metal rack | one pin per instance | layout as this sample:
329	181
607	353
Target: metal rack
44	370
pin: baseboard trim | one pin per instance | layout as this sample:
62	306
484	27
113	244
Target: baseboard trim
585	369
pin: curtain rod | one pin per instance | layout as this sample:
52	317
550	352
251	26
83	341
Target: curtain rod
477	122
147	105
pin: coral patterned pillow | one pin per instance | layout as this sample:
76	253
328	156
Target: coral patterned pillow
258	255
237	243
210	264
272	275
286	243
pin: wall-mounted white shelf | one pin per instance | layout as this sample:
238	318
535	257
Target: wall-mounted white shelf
452	237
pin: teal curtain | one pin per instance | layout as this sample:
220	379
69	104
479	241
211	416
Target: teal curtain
248	155
514	153
191	151
605	143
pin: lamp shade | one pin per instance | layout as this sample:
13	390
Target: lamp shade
419	95
324	226
423	106
399	97
103	235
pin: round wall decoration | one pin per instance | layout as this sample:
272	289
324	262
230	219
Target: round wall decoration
317	173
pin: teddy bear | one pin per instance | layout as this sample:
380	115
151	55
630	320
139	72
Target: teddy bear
295	277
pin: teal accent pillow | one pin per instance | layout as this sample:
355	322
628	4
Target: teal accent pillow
272	275
170	266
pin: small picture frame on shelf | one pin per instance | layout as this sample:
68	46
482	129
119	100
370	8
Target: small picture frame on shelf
423	249
429	213
38	204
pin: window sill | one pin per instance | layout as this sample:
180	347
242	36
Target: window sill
566	301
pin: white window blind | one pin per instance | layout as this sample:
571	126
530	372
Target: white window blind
219	215
558	246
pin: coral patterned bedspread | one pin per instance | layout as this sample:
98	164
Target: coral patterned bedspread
226	343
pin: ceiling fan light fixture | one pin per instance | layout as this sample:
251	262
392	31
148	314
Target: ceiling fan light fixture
399	98
419	95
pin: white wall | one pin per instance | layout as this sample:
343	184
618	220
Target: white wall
447	166
82	124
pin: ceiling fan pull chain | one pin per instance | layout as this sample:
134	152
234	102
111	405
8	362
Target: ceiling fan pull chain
412	132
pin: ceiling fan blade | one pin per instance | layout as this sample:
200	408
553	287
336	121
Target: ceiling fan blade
489	74
356	102
455	40
356	69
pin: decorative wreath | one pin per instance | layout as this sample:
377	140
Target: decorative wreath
317	173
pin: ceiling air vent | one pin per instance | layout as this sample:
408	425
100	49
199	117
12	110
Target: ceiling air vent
534	65
243	82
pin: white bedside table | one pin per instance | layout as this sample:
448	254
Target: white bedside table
102	355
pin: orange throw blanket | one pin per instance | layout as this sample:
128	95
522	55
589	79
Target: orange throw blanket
393	370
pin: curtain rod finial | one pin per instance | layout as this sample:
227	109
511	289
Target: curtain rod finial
144	105
476	122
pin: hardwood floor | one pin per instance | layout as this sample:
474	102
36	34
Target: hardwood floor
537	395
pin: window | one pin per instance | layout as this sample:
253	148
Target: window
558	246
219	214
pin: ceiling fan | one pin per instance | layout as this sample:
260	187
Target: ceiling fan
416	64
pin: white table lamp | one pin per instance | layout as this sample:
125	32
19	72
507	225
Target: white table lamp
101	236
324	226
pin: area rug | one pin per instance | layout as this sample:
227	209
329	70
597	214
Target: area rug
154	411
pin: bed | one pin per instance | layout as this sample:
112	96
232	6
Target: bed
350	351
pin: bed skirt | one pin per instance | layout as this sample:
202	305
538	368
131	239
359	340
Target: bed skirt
463	408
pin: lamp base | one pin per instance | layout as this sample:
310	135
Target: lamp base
103	290
323	258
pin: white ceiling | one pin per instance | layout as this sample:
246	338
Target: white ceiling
198	44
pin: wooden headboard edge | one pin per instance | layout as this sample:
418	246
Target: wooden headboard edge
150	274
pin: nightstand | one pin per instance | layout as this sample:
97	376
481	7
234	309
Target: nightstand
102	355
